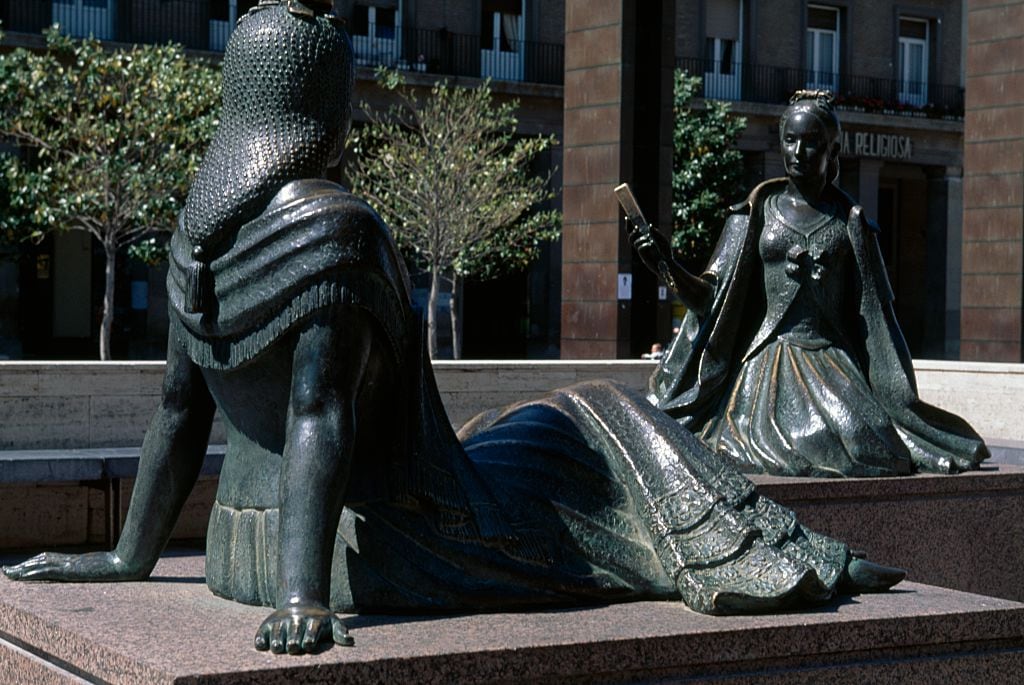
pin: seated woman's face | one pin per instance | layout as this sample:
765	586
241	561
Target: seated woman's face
805	147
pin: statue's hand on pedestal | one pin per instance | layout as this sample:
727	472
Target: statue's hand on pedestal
94	567
300	628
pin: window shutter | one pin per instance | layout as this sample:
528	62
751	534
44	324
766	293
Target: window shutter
723	19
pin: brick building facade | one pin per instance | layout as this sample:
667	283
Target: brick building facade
898	68
618	110
516	43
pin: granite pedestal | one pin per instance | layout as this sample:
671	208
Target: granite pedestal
964	532
171	629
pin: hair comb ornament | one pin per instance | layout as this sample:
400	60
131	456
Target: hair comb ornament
302	8
824	99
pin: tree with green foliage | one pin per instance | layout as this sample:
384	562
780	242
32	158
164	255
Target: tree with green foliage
109	141
451	177
707	170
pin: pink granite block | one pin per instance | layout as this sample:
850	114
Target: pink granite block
171	629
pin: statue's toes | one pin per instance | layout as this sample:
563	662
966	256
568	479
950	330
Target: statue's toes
340	633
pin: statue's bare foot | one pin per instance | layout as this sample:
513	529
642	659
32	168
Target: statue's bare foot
91	567
300	628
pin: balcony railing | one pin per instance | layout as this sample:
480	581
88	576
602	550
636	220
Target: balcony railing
459	54
193	25
774	85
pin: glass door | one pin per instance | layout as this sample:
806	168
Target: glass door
822	48
376	32
913	62
223	15
722	49
722	75
501	39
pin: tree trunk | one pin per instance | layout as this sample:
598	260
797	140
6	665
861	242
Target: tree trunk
456	318
435	282
107	324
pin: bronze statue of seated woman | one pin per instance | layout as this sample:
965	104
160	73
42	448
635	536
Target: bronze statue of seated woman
789	360
344	487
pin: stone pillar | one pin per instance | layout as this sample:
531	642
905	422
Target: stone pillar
619	57
954	257
868	173
940	337
992	291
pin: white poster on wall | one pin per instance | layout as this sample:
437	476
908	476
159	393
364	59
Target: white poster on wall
625	286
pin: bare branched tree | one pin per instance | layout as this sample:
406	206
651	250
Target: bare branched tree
453	180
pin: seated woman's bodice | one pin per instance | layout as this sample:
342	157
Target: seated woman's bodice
806	278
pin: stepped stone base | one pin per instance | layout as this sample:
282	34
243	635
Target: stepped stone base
172	630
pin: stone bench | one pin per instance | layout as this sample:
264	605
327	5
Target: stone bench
90	464
1006	451
94	404
79	497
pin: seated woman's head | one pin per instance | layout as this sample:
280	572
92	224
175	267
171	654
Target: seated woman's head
809	137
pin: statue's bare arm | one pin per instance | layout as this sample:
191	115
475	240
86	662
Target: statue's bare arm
172	456
327	375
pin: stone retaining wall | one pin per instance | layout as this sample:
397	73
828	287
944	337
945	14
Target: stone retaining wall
93	404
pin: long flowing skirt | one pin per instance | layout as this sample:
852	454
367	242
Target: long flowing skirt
808	411
608	499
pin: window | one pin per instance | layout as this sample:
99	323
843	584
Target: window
822	50
375	28
221	10
501	25
913	61
374	22
360	24
385	22
501	39
723	29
